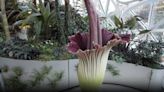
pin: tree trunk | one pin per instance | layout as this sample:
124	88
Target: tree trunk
4	20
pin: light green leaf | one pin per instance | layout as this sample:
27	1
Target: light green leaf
48	8
38	27
118	22
31	18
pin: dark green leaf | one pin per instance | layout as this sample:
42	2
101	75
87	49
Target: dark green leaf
131	23
144	31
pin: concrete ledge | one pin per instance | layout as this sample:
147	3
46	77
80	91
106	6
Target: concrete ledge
130	75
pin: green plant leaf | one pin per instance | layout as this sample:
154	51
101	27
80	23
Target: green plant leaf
31	18
131	23
38	27
12	13
23	14
118	22
51	18
112	69
48	8
144	31
31	6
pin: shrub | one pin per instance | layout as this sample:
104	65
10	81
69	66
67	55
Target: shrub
18	49
145	53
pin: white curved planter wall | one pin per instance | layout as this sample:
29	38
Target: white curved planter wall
29	66
157	81
131	75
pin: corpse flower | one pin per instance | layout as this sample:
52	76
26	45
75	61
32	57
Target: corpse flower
92	49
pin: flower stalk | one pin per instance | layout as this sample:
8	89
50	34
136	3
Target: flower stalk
94	26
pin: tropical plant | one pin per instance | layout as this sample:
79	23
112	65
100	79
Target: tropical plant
13	16
145	54
46	49
92	49
129	24
18	49
46	18
49	50
41	19
12	11
76	21
59	23
53	21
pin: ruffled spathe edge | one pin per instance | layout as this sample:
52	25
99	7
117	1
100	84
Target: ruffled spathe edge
79	41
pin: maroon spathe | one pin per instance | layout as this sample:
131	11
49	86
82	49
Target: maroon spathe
79	41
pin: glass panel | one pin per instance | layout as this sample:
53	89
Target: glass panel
159	14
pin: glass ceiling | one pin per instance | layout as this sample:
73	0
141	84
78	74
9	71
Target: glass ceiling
150	11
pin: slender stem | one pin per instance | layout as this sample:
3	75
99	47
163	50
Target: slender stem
67	2
4	19
99	32
94	26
